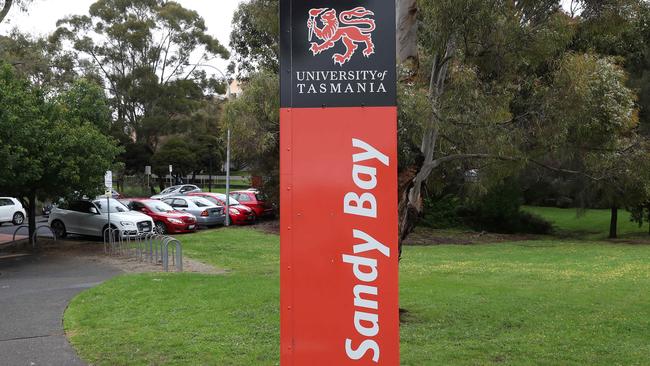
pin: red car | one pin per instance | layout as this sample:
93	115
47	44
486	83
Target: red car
239	214
257	201
165	218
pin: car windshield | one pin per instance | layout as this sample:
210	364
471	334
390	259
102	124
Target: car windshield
214	200
202	202
113	204
159	206
222	198
233	201
169	190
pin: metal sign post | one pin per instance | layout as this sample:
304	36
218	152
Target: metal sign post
171	168
147	172
108	183
338	176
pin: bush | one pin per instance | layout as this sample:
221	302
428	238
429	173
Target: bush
500	211
442	213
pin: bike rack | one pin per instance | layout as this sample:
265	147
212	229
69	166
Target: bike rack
35	235
152	248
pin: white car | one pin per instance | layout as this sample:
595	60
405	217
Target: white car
179	190
91	218
11	210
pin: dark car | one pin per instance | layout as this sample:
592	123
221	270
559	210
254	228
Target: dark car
256	200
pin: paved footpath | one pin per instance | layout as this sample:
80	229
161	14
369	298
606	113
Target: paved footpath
34	293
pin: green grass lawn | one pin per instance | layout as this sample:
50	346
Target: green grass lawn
521	303
589	224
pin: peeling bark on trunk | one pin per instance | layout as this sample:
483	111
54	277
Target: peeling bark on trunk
412	179
407	48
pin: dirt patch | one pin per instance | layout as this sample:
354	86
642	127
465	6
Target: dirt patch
94	252
425	236
268	226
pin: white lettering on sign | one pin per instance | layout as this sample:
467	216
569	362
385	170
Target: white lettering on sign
365	265
341	82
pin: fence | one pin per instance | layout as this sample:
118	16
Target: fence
151	248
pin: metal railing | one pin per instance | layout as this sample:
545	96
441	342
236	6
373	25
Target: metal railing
152	248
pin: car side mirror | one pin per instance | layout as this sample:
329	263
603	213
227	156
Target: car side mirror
94	211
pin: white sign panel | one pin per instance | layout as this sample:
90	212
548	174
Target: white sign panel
108	180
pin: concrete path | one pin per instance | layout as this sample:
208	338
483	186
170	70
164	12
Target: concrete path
34	293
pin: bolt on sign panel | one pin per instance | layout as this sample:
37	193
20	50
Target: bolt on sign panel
338	139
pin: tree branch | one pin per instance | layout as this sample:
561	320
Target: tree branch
5	9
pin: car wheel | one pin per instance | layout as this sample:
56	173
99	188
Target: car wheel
19	218
59	229
161	228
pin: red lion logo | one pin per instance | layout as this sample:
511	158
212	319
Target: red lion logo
331	32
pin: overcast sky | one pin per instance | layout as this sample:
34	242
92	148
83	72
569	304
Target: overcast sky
43	14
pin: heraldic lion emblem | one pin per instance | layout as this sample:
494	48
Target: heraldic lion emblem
351	26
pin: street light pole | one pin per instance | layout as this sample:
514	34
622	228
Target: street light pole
210	147
227	146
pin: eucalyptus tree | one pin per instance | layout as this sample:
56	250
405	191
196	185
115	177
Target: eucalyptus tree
148	53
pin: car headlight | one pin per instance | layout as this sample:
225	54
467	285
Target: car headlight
234	211
175	221
127	223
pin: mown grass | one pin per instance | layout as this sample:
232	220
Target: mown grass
587	224
521	303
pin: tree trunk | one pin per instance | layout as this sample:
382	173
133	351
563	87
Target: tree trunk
613	224
407	48
31	218
410	194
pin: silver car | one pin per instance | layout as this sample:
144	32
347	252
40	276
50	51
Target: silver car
176	191
206	212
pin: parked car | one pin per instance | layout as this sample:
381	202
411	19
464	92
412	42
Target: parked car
207	213
91	218
11	210
166	219
239	214
176	191
117	195
256	200
47	209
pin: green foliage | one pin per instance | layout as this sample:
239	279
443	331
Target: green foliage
254	121
144	51
46	63
176	152
255	36
50	147
499	211
442	213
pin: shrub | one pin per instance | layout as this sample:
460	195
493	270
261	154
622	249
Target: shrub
442	213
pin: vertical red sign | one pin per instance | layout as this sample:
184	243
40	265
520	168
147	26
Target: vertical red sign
338	138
